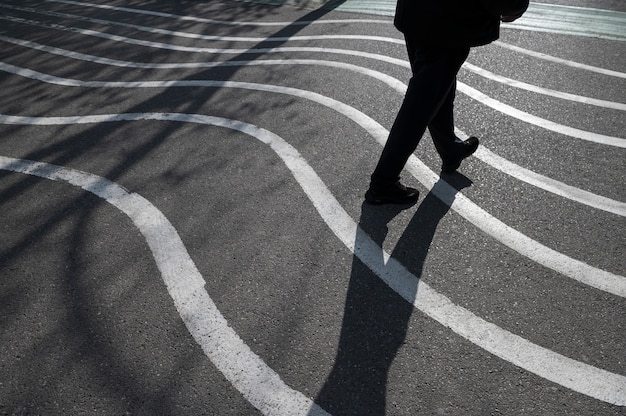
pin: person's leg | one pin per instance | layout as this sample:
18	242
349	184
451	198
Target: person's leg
411	49
451	148
434	74
441	127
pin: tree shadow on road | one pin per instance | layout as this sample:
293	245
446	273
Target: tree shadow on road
83	326
376	319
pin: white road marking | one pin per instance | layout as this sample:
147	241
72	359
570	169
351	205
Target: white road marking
221	22
181	48
543	182
595	382
518	172
572	268
518	49
393	82
546	57
539	121
239	361
464	88
544	91
500	43
473	68
540	17
389	80
577	21
257	382
196	36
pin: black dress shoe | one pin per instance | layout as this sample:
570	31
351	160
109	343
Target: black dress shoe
393	193
452	162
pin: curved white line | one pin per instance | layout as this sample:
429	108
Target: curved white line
180	48
539	17
387	79
575	269
222	22
357	37
473	68
540	122
518	172
543	182
466	89
547	184
580	377
257	382
500	43
197	36
561	61
543	91
482	72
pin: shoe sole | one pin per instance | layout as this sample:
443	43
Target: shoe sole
382	201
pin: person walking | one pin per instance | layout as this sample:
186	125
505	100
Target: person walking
438	35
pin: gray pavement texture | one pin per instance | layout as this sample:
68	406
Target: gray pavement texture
89	325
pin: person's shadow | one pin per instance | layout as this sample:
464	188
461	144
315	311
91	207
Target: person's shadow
376	318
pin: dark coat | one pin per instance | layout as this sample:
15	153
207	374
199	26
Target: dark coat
454	23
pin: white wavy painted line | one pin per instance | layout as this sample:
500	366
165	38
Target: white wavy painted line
223	22
540	122
540	17
502	44
354	37
547	184
471	92
258	383
197	36
575	269
482	72
518	172
180	48
550	18
473	68
561	61
575	375
544	91
387	79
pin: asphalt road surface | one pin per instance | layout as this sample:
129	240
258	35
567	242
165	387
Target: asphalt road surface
183	229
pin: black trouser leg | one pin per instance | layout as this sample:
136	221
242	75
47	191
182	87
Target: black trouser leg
441	127
434	77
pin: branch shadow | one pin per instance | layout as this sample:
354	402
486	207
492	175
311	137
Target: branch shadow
376	319
64	151
82	321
